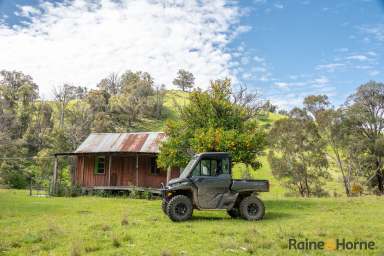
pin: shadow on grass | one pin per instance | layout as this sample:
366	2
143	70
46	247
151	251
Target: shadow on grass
209	218
275	209
268	216
277	215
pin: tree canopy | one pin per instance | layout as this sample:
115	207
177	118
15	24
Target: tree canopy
214	120
184	80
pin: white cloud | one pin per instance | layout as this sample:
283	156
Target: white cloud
376	30
259	59
279	6
331	67
281	85
373	72
289	85
321	81
372	53
357	57
82	41
343	49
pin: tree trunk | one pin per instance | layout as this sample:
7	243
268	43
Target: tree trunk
380	179
301	189
345	179
308	192
62	115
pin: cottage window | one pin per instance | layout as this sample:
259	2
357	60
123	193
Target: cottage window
154	169
100	165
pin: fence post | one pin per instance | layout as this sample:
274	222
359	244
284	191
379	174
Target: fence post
54	178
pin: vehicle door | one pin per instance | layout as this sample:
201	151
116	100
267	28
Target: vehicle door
212	182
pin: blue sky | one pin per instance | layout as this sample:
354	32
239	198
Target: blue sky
284	49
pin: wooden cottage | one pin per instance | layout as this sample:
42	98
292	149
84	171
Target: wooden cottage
120	161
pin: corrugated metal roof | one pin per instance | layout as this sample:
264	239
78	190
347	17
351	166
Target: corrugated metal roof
143	142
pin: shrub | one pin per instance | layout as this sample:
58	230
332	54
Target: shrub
115	241
76	249
357	188
124	221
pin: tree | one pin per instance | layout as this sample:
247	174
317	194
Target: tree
17	94
365	113
184	80
315	104
297	153
269	107
66	93
110	84
333	130
213	121
138	98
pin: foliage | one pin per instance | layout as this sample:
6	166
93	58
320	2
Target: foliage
365	113
212	121
31	129
297	153
184	80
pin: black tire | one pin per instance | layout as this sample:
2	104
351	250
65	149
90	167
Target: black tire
252	208
164	206
179	208
234	213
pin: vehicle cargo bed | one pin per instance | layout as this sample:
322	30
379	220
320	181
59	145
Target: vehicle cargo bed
250	185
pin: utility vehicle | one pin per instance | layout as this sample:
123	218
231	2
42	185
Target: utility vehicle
206	184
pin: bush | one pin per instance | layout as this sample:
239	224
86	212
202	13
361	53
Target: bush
357	188
13	174
64	183
320	192
76	191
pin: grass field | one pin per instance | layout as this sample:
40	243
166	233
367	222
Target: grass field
121	226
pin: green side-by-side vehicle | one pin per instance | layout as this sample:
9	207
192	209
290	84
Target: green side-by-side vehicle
206	183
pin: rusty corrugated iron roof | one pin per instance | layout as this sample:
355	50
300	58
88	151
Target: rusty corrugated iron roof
143	142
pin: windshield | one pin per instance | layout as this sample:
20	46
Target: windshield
189	166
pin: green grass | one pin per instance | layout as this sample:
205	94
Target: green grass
118	226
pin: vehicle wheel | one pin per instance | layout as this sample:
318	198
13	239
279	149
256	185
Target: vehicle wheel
179	208
234	213
164	206
252	208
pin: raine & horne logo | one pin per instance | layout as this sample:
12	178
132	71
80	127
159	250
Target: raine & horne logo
330	244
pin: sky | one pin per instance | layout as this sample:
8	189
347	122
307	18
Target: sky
284	50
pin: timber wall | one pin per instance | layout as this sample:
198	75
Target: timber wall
123	172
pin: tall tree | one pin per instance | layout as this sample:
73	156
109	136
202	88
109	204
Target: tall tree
212	121
365	110
297	153
184	80
110	84
17	94
315	104
137	98
66	93
333	130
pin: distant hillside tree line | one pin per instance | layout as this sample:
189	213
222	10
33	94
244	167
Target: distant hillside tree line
32	129
349	137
